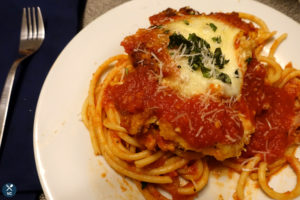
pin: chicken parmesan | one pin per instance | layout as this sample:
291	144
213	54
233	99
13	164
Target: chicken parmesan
195	86
187	80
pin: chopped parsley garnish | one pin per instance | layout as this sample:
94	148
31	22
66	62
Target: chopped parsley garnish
186	22
248	60
217	39
198	42
219	58
206	72
223	77
166	31
219	75
126	71
176	40
144	185
236	73
213	26
199	55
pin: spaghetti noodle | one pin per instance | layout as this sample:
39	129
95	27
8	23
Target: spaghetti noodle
136	142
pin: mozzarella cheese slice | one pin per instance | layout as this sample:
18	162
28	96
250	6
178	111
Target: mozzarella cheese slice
191	82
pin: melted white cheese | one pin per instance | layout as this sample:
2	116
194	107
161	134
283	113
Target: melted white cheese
192	82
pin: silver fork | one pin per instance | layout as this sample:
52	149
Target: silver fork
31	37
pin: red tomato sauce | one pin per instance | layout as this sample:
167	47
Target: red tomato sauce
199	125
169	14
273	110
202	122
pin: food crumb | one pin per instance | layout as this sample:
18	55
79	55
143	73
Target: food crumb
107	181
123	188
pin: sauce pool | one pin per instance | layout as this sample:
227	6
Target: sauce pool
200	120
273	111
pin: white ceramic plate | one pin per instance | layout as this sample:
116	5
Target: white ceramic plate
66	165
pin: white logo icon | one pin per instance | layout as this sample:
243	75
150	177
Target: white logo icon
9	187
9	190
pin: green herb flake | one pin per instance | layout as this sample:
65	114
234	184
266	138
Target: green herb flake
166	31
126	71
213	26
176	40
198	48
144	185
199	41
248	60
217	39
219	58
206	72
236	73
224	78
186	22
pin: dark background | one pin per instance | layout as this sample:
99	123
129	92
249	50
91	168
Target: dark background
62	20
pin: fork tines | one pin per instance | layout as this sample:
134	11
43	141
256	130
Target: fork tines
32	24
31	39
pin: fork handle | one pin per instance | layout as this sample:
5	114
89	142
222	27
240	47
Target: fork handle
5	96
